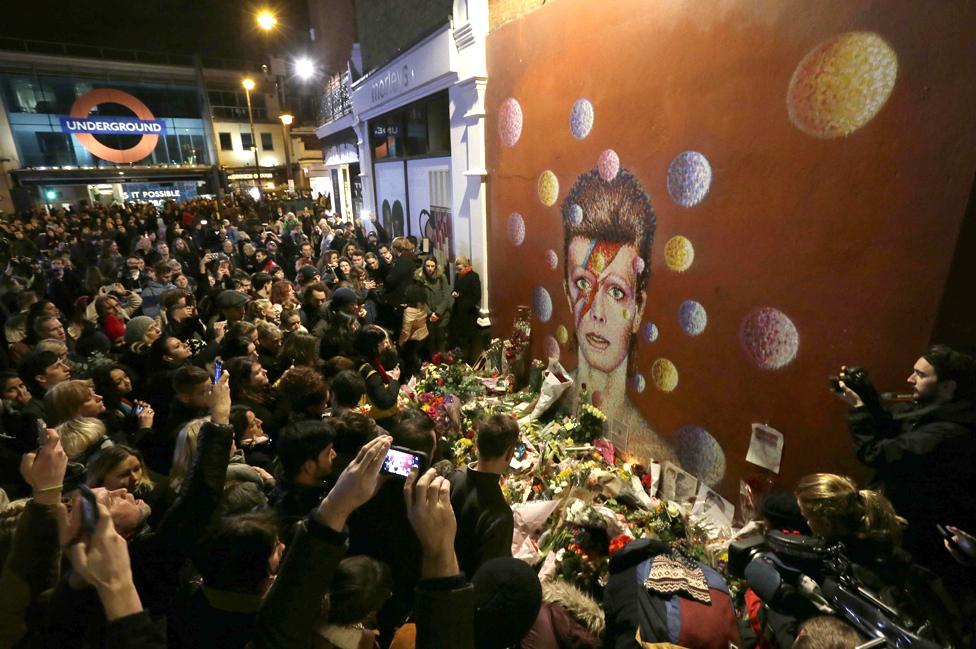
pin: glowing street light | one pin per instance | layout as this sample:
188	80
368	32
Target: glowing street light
304	68
248	84
266	20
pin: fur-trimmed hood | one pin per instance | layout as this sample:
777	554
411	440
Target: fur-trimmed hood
580	605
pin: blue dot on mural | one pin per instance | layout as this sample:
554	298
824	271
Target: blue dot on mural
574	214
541	304
692	317
701	455
638	382
650	332
581	118
689	178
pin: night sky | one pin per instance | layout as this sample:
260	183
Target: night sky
216	28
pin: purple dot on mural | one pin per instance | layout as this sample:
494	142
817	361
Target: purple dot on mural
552	347
608	165
510	122
581	118
541	303
689	178
575	214
700	454
769	338
638	265
552	259
650	332
637	380
692	317
516	229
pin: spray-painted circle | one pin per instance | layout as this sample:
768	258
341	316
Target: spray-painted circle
638	382
541	304
516	229
700	454
510	122
692	317
769	338
581	118
548	188
552	259
575	214
679	254
664	374
689	178
608	164
650	332
552	348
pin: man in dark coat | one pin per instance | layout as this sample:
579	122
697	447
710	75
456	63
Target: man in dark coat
924	456
485	521
464	314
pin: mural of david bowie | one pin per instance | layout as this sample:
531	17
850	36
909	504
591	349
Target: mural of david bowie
608	229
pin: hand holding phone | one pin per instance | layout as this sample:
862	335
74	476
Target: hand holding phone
89	509
218	370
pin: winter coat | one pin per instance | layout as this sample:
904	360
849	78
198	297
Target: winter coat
485	523
438	289
925	463
568	619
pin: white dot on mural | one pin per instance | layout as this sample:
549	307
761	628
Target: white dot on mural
541	304
581	118
638	382
608	164
689	178
552	348
769	338
574	214
692	317
552	259
638	265
516	229
510	121
650	332
701	454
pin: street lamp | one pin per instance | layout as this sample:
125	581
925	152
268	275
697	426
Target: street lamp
304	68
266	20
286	121
248	87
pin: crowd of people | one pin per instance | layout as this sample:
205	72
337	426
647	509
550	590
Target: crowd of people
197	403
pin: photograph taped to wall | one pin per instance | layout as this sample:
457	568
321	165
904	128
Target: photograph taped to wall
765	447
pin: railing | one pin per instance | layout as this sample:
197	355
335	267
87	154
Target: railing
117	54
335	101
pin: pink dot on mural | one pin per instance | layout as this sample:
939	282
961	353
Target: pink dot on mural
552	348
552	259
638	265
608	165
516	229
510	122
597	398
769	338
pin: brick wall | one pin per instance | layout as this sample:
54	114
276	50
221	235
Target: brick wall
505	11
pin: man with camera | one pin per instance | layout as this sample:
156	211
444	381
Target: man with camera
924	455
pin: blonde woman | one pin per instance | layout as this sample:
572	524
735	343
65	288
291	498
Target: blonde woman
186	450
70	400
81	437
838	511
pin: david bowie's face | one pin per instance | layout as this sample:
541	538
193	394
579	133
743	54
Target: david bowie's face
601	286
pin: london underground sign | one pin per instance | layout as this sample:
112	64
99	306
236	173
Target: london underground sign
85	128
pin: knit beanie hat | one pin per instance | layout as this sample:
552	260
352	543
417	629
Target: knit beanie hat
136	328
507	599
344	297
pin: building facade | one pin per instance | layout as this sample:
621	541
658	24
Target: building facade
416	115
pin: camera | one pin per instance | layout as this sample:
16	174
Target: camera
857	380
803	576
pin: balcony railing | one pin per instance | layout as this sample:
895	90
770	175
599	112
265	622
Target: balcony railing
335	99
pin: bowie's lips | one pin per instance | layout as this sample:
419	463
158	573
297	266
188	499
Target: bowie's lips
598	342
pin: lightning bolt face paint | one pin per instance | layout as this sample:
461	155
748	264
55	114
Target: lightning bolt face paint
601	280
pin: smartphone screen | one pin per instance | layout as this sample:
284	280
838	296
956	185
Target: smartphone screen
89	509
401	462
218	369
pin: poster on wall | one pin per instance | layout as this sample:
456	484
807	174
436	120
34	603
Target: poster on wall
677	229
429	181
391	197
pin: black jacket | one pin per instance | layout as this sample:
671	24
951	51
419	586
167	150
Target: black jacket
464	316
925	463
484	520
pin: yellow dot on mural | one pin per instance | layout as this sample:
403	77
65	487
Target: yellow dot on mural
841	84
562	335
679	254
599	261
548	188
664	374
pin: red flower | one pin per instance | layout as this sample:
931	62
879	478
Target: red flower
440	381
436	358
646	480
619	543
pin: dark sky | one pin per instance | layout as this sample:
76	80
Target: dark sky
220	28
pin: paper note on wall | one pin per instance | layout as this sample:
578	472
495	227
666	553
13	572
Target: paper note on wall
765	447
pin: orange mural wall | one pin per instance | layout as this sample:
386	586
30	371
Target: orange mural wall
808	166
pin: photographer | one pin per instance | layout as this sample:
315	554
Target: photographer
924	455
